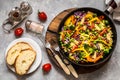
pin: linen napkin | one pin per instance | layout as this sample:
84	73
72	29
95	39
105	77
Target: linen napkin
116	12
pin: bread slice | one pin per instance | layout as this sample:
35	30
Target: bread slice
15	50
24	61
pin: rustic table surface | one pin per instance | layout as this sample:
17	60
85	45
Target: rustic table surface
110	71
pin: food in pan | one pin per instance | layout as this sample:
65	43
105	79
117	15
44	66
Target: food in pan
86	37
21	56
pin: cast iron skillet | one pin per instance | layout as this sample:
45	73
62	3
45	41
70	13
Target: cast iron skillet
113	30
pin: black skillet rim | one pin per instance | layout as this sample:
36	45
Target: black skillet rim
113	30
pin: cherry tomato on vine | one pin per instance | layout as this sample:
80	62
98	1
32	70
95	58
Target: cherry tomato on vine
42	16
46	67
18	32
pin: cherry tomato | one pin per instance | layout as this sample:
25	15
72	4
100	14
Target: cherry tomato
42	16
46	67
18	32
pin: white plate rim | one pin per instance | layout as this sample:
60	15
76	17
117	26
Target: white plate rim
35	46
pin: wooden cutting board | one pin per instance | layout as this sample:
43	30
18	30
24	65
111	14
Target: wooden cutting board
52	34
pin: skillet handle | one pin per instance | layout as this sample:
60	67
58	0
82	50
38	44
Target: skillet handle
111	7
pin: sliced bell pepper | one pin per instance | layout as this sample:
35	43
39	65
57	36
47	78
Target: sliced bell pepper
103	32
90	59
81	49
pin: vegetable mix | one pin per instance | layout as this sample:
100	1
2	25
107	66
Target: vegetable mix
86	37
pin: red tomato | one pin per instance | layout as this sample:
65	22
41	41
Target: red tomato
18	32
42	16
46	67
